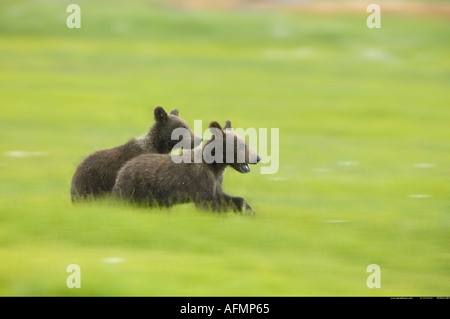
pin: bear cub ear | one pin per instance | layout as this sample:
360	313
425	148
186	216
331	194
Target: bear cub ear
215	124
160	114
174	112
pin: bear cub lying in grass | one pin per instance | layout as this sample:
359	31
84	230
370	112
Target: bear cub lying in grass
95	176
157	179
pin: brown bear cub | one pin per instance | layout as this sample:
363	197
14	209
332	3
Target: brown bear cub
95	176
158	179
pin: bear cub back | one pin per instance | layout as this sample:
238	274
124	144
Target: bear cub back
96	174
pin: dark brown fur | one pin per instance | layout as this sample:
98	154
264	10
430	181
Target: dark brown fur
95	176
156	178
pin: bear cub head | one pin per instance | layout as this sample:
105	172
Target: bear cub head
160	136
236	151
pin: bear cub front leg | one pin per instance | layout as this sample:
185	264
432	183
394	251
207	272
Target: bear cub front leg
238	203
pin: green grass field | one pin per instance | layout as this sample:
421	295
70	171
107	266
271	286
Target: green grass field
364	148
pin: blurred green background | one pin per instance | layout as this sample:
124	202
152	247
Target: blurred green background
364	147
